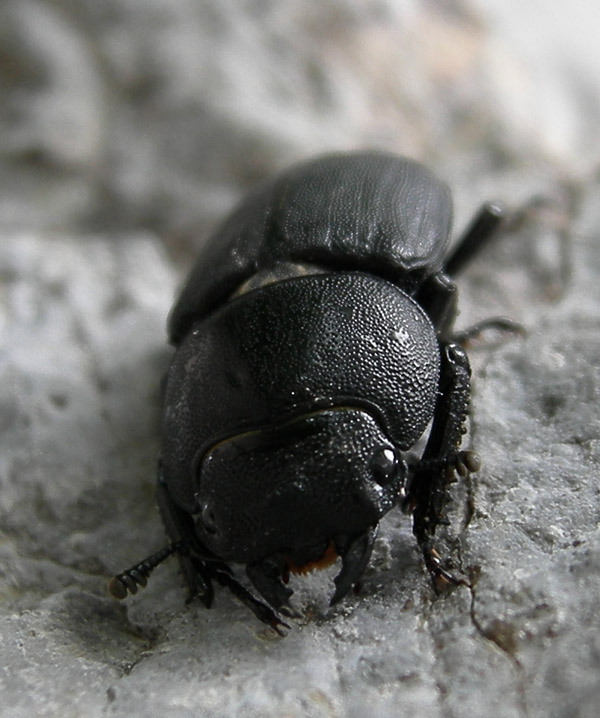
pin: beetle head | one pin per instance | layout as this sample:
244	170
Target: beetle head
294	488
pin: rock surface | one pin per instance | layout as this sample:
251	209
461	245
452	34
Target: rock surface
128	129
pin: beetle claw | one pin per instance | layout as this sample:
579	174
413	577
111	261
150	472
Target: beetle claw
276	624
355	556
440	577
289	611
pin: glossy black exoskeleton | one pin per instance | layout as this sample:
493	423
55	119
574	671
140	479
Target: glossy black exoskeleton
314	347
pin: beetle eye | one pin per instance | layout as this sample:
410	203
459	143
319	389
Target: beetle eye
384	464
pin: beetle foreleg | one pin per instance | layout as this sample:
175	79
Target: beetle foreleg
263	612
267	576
441	460
355	556
438	573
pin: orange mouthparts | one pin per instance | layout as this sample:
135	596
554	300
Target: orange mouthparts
327	559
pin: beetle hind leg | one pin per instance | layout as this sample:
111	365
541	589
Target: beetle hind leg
503	327
484	226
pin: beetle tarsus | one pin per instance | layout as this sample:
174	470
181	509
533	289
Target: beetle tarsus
289	612
465	462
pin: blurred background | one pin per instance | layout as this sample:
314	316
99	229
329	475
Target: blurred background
158	114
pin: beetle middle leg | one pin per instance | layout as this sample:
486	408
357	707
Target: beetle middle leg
438	295
441	460
484	226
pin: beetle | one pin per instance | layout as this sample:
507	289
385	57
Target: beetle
314	347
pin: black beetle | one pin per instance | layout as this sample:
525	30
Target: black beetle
314	347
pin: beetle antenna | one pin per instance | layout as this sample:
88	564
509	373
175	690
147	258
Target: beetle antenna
128	582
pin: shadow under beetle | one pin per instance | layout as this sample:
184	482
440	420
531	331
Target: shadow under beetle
314	346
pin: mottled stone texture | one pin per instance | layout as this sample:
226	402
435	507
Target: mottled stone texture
128	128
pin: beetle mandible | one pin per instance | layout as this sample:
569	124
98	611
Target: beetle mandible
314	346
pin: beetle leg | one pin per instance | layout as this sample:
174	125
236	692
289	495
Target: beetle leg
438	573
267	577
355	555
200	568
427	490
478	234
503	326
263	612
437	295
